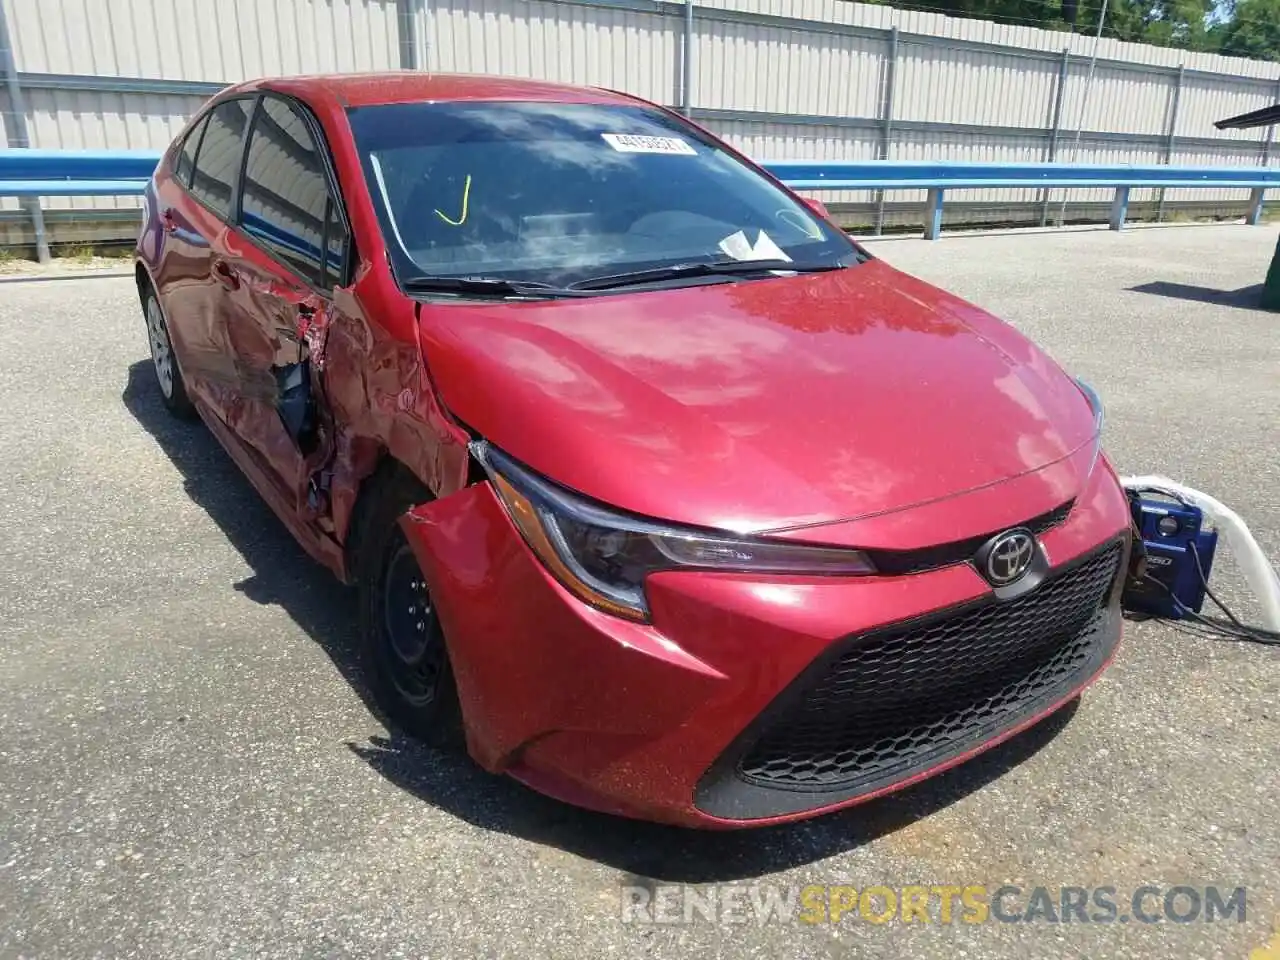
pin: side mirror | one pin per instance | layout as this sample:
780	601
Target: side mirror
818	207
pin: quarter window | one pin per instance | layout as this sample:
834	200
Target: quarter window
187	155
219	156
285	201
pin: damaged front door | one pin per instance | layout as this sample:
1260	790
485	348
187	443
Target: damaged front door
294	253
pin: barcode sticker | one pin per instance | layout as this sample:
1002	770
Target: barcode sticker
636	143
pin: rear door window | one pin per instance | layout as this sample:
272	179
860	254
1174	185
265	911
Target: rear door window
219	155
286	203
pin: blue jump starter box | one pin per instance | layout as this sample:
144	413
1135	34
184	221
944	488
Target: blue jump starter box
1179	555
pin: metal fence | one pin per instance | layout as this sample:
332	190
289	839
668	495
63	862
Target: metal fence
782	79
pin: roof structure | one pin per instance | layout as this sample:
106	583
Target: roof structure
1257	118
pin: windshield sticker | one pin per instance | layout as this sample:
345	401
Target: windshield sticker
737	245
635	143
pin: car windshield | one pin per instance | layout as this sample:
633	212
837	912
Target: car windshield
555	194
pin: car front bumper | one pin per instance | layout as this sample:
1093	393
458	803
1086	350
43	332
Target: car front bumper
751	700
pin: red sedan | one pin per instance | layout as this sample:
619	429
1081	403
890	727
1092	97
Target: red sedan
664	493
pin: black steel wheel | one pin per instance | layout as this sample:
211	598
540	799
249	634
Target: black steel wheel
412	644
405	653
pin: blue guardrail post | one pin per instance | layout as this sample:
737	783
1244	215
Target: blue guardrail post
933	216
1255	206
1119	208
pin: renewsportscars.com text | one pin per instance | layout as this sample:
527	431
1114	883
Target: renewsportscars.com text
930	904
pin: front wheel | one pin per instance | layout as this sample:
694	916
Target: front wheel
173	390
404	652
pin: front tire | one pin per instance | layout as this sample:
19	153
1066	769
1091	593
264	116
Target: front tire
173	390
402	643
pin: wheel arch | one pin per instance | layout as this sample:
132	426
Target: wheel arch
142	279
386	475
368	468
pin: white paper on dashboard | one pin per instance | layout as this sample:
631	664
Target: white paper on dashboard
737	245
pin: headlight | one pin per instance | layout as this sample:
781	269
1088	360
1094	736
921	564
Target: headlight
602	556
1095	404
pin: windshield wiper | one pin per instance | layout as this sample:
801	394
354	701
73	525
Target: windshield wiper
491	286
700	268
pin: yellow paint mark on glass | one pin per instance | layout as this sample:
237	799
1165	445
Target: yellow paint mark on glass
466	199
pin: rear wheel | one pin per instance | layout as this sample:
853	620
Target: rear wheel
403	645
173	391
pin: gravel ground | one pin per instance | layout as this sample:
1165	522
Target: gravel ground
189	766
16	269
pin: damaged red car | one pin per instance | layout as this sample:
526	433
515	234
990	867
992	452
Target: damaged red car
658	489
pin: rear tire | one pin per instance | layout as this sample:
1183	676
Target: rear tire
402	643
173	390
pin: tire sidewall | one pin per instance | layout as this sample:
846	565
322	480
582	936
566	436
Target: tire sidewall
177	401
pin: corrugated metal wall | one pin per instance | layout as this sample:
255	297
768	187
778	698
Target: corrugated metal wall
61	47
822	79
212	40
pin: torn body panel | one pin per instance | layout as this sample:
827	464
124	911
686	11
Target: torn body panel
313	392
372	384
268	313
354	391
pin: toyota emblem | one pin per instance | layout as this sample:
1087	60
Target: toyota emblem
1009	556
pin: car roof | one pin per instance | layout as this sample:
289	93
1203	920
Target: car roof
409	86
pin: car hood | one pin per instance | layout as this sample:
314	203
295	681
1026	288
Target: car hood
762	405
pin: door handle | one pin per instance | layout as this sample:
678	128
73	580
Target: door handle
226	274
167	221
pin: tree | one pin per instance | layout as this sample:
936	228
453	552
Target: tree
1244	28
1253	30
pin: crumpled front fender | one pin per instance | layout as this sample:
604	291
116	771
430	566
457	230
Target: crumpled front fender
528	659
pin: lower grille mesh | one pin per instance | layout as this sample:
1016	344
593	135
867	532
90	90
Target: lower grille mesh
899	701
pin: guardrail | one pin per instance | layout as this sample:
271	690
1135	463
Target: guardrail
75	173
37	173
938	177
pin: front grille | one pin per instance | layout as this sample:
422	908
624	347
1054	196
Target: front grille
898	562
898	702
